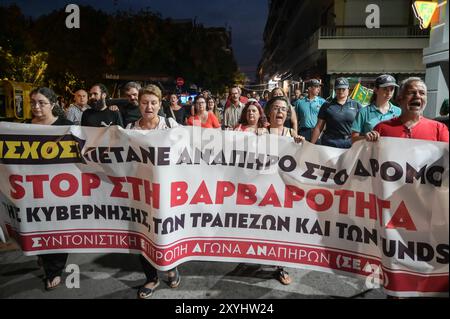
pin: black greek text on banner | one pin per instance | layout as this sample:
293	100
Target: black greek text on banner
379	211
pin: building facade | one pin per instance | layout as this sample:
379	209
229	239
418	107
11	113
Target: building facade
435	57
327	39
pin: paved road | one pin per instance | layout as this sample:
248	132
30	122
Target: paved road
119	276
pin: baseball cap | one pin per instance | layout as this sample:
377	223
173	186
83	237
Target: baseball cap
341	83
313	82
385	80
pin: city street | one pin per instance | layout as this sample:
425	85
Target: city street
118	276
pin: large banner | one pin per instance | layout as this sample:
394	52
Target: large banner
378	210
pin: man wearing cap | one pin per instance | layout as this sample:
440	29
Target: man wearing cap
308	108
379	110
411	123
338	116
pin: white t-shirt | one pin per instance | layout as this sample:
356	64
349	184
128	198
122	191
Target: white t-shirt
161	125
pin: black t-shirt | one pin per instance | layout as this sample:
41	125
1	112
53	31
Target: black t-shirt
61	121
339	118
103	118
130	113
180	115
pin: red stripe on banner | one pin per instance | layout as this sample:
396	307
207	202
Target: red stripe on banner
224	248
397	281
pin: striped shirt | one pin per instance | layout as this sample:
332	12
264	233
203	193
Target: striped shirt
74	113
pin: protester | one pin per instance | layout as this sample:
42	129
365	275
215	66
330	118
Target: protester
380	108
264	99
130	112
202	117
75	110
99	115
278	108
149	99
61	101
46	111
291	119
338	116
307	109
176	111
253	119
297	96
411	123
211	106
232	114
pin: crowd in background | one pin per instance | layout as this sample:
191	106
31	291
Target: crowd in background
338	122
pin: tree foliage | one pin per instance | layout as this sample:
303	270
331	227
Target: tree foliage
139	43
28	68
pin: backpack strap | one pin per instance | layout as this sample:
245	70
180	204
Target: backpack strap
167	122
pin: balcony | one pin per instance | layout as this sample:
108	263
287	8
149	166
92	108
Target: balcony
351	32
362	38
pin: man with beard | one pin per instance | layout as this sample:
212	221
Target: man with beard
233	113
411	124
130	111
99	115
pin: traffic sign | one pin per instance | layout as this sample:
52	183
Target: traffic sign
180	81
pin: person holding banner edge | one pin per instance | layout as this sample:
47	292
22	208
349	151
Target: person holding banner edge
149	100
45	111
336	117
411	123
278	108
379	110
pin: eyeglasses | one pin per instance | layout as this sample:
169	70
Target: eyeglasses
40	103
278	108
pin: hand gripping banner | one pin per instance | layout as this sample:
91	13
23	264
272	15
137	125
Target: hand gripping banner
378	210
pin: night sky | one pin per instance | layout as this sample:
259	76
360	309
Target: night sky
246	18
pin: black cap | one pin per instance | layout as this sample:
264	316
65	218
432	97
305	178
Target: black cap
313	82
341	83
385	80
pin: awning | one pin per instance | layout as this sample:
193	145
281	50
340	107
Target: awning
375	62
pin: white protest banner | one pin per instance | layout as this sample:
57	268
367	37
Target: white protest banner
378	210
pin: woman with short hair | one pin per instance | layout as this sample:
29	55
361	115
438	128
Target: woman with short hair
150	100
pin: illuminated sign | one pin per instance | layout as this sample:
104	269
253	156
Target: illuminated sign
424	11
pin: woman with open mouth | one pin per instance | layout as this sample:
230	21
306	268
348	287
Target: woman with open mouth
279	107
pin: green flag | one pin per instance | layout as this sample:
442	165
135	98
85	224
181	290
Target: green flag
362	94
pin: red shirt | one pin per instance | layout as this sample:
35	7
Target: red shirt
425	129
211	122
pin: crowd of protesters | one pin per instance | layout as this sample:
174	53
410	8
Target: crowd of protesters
335	123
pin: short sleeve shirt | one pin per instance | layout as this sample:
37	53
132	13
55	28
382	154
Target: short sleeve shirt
103	118
307	111
162	125
232	115
369	116
211	122
425	129
339	118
